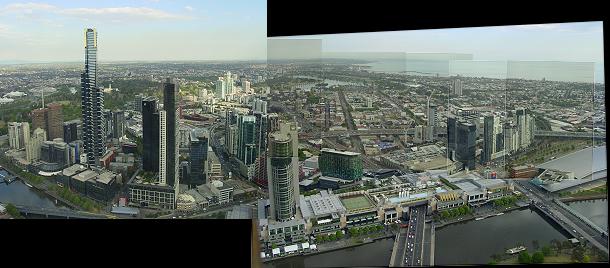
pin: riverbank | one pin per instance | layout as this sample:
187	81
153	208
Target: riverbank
583	198
43	186
442	223
340	246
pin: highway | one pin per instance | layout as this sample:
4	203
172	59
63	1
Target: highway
563	217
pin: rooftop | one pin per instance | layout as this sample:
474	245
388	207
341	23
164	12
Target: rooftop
320	204
348	153
85	175
583	163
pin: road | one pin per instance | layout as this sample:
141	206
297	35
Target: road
562	216
411	240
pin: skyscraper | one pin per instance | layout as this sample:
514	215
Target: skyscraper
489	138
198	156
246	142
92	103
282	167
18	134
221	89
431	121
229	83
451	137
118	124
150	135
55	121
457	87
168	128
466	144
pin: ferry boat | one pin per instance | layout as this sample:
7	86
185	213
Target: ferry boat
515	250
479	218
29	185
500	214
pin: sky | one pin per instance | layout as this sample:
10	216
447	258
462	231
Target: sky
150	30
134	30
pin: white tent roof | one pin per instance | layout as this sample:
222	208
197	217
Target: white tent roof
291	248
305	245
276	251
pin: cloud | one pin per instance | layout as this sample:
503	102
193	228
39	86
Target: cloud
115	13
538	26
26	7
189	8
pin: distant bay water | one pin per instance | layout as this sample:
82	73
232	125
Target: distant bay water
535	70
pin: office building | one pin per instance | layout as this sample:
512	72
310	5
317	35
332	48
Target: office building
150	135
55	121
33	148
221	89
18	134
340	164
247	89
49	119
246	142
70	131
457	87
118	124
57	152
465	151
198	156
259	106
283	172
92	103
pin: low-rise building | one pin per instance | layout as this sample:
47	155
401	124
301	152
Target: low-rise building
323	212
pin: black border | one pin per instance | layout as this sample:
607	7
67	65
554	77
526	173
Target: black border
287	18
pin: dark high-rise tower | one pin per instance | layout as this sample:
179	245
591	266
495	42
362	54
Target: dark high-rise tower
169	134
92	103
466	144
488	138
451	140
150	135
198	156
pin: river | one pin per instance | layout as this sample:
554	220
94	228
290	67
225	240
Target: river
20	194
471	242
377	254
595	210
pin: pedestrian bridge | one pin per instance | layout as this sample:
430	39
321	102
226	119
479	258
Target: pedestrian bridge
60	213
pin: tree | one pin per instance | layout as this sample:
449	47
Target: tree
538	257
586	259
578	254
524	258
535	244
339	234
546	250
332	237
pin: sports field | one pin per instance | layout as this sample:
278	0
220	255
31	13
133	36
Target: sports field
356	202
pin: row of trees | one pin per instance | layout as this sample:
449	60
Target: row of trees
456	212
321	238
74	198
357	231
13	211
525	258
505	201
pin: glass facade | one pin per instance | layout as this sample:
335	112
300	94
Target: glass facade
92	103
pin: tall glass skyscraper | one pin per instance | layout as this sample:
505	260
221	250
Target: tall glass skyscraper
168	120
92	103
150	135
282	167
